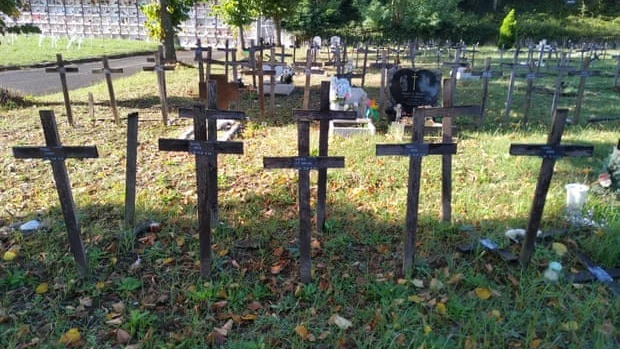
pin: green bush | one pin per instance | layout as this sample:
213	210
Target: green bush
508	31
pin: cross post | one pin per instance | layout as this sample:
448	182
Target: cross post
549	152
415	151
56	154
131	169
561	68
206	148
62	70
108	78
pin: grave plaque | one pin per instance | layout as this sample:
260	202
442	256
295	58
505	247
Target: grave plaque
413	88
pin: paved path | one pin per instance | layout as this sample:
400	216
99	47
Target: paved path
36	82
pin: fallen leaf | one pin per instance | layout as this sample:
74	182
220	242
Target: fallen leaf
441	308
435	285
9	256
218	305
278	251
277	267
559	248
86	301
249	317
455	279
383	249
118	307
315	244
339	321
483	293
302	331
70	337
427	329
100	285
225	329
167	260
417	283
122	336
254	306
42	288
415	299
570	326
180	241
223	252
535	343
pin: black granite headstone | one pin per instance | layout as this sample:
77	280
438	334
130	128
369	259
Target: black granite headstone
413	88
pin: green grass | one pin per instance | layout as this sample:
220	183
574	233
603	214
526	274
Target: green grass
356	260
27	50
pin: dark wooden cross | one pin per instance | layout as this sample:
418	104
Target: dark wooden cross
447	113
206	148
62	70
160	67
304	163
486	75
308	73
108	78
415	150
562	68
454	66
550	152
202	81
56	154
583	75
229	61
324	115
513	66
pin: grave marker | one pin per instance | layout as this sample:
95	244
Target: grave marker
413	88
160	67
56	154
108	78
582	83
206	148
62	70
511	84
486	75
561	68
415	150
550	152
304	163
530	76
131	168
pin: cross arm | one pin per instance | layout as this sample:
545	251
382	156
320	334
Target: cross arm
551	151
299	114
414	149
451	111
200	147
107	71
55	153
62	70
304	162
213	114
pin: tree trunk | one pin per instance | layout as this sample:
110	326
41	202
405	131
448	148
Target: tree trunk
241	38
168	32
278	28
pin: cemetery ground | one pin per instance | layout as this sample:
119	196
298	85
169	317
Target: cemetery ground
144	290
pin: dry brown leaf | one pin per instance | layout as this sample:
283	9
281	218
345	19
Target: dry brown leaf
249	317
70	337
278	251
339	321
122	336
218	305
302	331
277	267
535	343
118	307
254	306
225	329
455	279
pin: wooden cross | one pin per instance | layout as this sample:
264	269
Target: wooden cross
530	76
62	70
131	168
583	74
228	62
415	150
486	75
448	112
309	72
561	68
550	152
454	69
511	84
56	153
160	67
304	163
202	81
108	78
206	148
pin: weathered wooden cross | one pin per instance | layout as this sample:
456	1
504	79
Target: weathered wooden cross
308	73
550	152
108	78
56	153
324	115
62	70
415	150
447	113
206	148
304	163
160	67
583	75
561	69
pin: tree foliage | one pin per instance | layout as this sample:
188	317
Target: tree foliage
508	31
322	18
178	11
9	8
